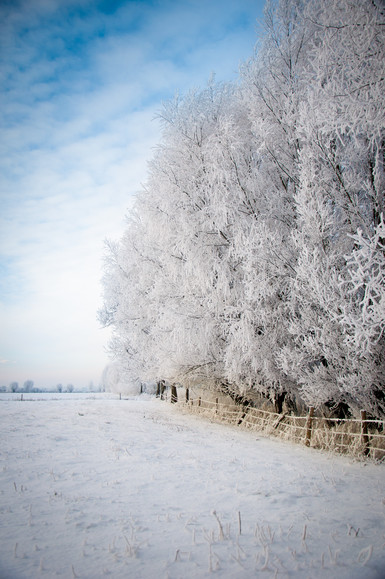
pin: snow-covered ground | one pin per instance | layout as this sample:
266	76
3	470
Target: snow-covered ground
132	489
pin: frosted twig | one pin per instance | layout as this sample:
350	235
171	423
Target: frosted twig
238	560
304	533
365	555
265	566
352	530
333	556
221	535
131	548
210	559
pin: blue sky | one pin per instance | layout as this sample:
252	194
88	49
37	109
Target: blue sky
81	82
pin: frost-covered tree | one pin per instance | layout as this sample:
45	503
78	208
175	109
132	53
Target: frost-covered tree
365	319
28	386
362	318
340	191
271	91
14	387
253	260
168	268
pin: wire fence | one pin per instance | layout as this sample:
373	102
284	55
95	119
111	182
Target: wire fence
356	437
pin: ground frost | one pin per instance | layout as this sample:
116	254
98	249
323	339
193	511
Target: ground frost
130	488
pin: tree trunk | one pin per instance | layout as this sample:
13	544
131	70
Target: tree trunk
278	401
174	394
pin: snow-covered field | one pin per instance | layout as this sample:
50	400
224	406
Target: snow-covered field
101	487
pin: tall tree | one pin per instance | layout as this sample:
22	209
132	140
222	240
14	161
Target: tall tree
340	192
253	260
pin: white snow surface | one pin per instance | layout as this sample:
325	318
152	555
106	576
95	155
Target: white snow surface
134	488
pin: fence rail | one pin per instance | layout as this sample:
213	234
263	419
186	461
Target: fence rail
357	437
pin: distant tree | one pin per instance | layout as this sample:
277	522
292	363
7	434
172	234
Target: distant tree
59	387
111	376
28	386
14	387
70	387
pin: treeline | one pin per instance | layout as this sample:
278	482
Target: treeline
29	386
254	258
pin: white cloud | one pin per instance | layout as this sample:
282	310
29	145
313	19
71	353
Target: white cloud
82	89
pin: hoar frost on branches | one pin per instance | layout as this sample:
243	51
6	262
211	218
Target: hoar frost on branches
363	312
254	258
365	318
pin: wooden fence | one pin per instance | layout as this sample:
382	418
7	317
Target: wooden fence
357	437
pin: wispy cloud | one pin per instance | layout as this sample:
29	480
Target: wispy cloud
82	81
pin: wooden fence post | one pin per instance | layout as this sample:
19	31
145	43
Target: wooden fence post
244	412
309	422
216	405
187	395
199	401
364	433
